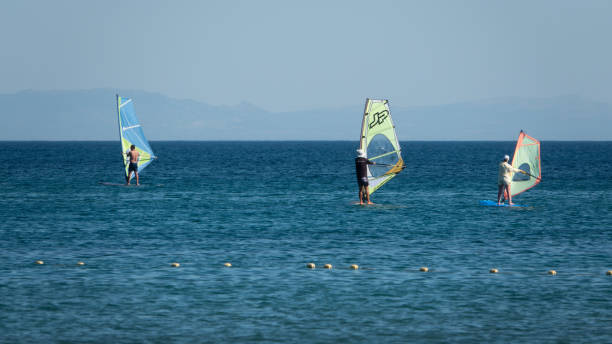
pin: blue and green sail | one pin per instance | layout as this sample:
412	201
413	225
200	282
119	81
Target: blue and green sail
379	142
131	133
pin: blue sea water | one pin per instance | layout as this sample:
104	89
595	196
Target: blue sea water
271	207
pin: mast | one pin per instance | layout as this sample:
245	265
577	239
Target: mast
363	123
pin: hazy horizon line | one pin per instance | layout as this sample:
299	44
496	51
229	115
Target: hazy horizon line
458	102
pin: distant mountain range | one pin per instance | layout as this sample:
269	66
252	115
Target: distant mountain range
91	115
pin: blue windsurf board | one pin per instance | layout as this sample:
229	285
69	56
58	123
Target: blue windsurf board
488	203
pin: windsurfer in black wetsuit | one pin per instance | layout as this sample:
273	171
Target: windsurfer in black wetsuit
133	154
361	168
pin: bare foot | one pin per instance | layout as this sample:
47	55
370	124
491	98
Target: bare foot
370	202
137	184
509	203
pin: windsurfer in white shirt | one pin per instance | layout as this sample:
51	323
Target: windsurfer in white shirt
504	179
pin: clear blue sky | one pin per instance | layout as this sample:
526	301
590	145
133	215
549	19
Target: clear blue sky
292	55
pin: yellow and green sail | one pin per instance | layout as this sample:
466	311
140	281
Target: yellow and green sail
131	133
379	142
526	158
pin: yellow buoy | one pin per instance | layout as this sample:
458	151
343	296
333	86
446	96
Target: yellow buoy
227	265
39	262
493	271
327	266
552	272
354	266
175	265
80	263
424	269
310	265
609	272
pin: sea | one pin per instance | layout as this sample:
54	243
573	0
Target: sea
269	209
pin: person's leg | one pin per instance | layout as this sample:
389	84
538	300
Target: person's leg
129	178
509	195
500	188
367	192
361	194
137	181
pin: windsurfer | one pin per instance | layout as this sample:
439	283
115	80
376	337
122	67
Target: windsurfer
133	155
504	179
361	168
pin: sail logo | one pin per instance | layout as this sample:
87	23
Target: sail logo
131	127
378	118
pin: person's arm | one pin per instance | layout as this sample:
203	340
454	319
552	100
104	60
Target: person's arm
371	162
512	168
517	170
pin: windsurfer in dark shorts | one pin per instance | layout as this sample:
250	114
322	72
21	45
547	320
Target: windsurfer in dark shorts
361	168
133	154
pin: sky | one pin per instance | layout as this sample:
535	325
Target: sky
298	55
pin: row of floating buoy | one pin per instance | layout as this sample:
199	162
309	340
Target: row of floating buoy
40	262
176	265
329	266
426	269
550	272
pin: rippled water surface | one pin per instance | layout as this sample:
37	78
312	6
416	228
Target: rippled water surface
271	207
